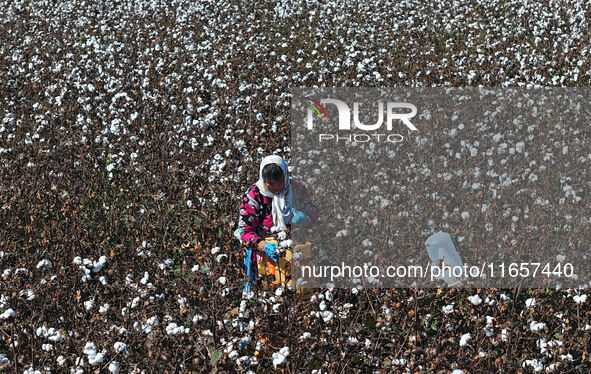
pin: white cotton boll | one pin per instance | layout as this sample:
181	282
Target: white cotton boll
285	243
322	305
144	280
537	326
529	303
222	280
465	215
305	335
120	346
27	294
342	233
114	367
220	257
279	292
47	347
46	264
327	316
215	250
77	260
61	360
505	297
89	304
476	300
174	329
504	335
195	268
279	357
457	371
96	359
7	314
135	302
580	299
89	349
464	339
535	364
352	340
400	361
448	309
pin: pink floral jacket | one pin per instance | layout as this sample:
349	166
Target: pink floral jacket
256	218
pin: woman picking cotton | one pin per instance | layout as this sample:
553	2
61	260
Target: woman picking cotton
276	199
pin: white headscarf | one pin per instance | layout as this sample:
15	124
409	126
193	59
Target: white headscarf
281	201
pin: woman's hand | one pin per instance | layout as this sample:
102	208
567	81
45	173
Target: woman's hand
270	249
299	218
261	246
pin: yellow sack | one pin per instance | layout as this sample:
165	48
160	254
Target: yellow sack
278	274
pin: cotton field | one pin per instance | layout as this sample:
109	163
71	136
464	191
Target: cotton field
129	130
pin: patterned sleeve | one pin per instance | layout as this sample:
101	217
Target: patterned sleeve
250	213
305	203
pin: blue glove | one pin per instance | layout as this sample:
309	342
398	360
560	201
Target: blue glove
271	251
299	218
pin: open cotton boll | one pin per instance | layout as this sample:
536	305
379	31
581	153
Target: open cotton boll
529	303
114	367
89	349
535	326
120	346
89	304
580	299
464	339
305	335
327	316
7	314
96	359
476	300
46	264
279	357
535	364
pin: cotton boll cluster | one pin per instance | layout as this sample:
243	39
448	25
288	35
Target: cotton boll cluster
144	250
51	334
94	358
280	357
89	266
147	326
173	329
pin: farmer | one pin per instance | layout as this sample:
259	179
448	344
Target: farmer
276	199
